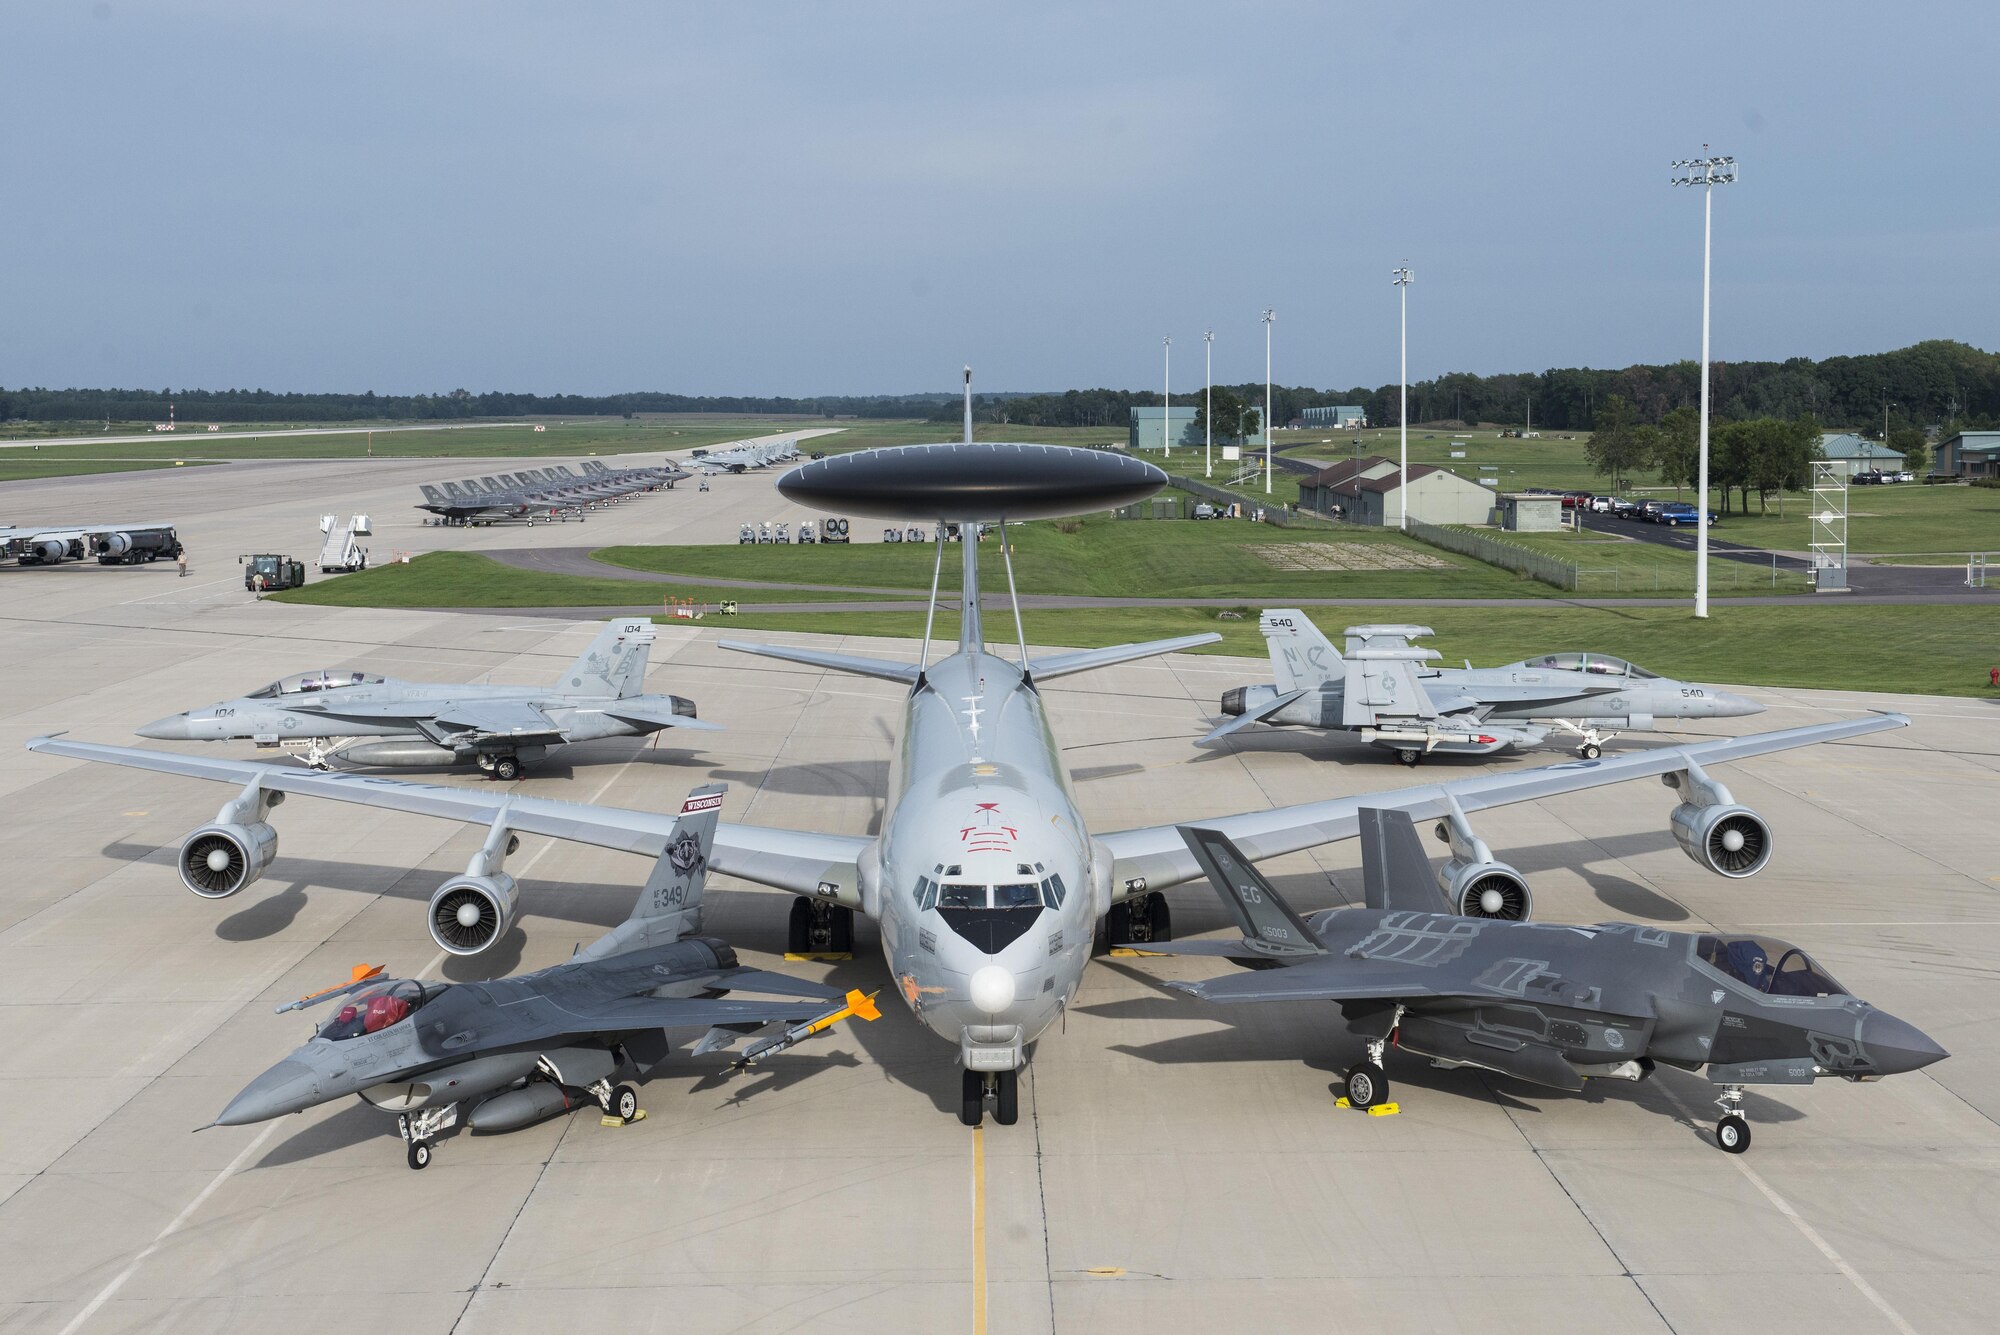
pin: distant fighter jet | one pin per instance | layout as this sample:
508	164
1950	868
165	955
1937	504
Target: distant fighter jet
513	1051
358	718
1540	1002
1383	690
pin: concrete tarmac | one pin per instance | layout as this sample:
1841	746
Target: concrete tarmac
1176	1167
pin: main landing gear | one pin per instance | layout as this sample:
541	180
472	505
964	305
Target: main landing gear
504	768
1368	1083
820	928
1409	755
1138	920
1003	1086
1732	1133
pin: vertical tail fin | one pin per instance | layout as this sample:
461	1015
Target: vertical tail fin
669	904
1302	658
615	663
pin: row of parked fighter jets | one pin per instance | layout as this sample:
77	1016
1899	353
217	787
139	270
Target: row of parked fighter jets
556	494
988	886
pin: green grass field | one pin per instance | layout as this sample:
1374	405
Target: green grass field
1922	650
1610	565
1119	558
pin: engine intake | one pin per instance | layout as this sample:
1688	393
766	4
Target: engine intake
1728	840
1486	890
218	860
469	913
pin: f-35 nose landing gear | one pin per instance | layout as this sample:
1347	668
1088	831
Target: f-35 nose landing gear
1005	1088
1732	1133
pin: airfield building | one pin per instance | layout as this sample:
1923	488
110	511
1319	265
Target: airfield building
1970	454
1344	417
1850	454
1369	491
1150	425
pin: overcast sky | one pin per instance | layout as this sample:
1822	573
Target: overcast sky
856	198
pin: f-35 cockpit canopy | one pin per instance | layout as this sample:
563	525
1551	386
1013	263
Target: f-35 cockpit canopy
379	1007
319	679
1595	664
1769	965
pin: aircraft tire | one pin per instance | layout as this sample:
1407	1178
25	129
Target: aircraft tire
1367	1085
1409	757
420	1154
1007	1098
1591	751
624	1103
506	769
1118	925
1732	1134
843	930
971	1097
1162	916
798	933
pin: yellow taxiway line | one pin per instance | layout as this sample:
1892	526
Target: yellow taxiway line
979	1230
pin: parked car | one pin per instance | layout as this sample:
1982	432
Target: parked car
1867	477
1906	477
1573	499
1675	513
1649	511
1203	510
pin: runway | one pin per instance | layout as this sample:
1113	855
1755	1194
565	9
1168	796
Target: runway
1176	1168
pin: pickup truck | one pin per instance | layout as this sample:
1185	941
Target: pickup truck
1675	513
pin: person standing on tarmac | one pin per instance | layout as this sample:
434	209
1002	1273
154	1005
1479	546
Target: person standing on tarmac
181	560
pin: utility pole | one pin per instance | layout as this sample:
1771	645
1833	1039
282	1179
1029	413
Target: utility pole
1706	173
1166	398
1208	408
1270	318
1401	278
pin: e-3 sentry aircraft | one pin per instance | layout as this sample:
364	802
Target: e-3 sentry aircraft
358	718
985	879
1384	690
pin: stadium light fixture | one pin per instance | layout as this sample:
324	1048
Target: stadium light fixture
1706	173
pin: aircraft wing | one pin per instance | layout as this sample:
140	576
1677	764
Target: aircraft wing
1061	665
516	720
1157	855
793	860
905	673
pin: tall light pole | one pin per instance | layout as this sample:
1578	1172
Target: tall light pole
1208	407
1270	318
1166	397
1401	278
1706	173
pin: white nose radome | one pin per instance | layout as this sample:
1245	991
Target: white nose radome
993	989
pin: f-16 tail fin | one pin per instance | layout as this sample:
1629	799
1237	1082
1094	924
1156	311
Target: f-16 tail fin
1270	926
1395	870
1302	658
615	663
669	904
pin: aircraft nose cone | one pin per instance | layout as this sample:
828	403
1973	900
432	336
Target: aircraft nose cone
172	728
993	989
285	1088
1728	704
1894	1046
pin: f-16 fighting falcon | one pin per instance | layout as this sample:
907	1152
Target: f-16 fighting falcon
985	879
358	718
1549	1004
503	1054
1383	691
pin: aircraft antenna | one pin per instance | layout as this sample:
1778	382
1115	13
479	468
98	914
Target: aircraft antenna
968	405
1013	596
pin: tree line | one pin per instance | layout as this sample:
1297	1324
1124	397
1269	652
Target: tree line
1938	382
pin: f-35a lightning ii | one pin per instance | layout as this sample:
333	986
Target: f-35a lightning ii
500	1055
1383	690
358	718
1549	1004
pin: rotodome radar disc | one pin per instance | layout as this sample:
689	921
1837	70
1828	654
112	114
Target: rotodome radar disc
964	483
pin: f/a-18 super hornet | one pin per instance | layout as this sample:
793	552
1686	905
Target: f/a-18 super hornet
984	877
1550	1004
499	1055
742	458
1384	691
358	718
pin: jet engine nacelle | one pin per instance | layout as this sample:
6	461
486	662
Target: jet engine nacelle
1728	840
114	544
1486	890
469	913
218	860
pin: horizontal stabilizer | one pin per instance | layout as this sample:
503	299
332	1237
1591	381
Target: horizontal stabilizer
1395	871
1061	665
1249	717
850	663
641	712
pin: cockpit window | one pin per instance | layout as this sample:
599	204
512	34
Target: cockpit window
375	1009
1603	665
320	679
1025	895
962	897
1769	965
1014	895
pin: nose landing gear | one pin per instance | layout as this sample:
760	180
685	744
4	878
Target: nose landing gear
1732	1133
818	929
1003	1086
